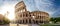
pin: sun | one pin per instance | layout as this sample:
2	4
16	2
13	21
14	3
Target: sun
8	11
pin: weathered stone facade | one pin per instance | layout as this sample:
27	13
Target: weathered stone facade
25	17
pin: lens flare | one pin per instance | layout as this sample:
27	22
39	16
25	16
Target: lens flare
8	11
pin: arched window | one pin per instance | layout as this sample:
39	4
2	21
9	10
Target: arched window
26	15
37	22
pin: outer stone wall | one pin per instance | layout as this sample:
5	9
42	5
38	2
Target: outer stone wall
25	17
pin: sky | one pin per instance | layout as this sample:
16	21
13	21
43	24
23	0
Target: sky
50	6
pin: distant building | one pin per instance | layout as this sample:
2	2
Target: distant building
25	17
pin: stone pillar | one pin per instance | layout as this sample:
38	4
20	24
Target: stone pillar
28	21
32	21
22	21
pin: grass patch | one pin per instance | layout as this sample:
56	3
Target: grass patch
48	25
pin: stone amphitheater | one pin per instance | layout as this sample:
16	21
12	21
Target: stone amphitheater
26	17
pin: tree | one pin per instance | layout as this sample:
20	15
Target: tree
56	19
6	21
53	20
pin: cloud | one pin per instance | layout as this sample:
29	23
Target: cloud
40	5
49	6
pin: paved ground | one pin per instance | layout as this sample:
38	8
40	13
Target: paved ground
23	24
4	25
37	25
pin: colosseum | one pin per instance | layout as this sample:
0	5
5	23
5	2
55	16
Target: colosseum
26	17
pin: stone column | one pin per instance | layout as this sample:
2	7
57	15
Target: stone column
22	21
31	21
28	21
